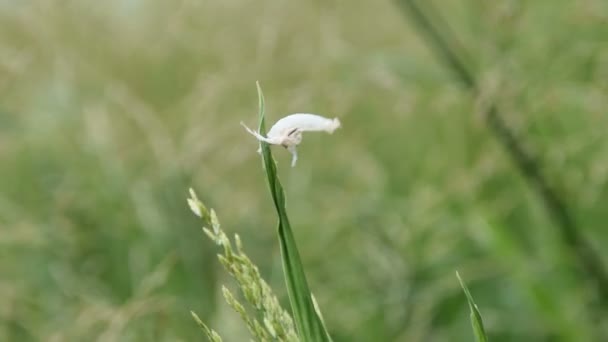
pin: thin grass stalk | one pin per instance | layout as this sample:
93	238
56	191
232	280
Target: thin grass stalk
309	324
476	320
445	45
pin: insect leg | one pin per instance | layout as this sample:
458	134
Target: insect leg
294	154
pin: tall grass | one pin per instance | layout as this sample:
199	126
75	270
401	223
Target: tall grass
476	320
307	317
450	50
108	110
277	323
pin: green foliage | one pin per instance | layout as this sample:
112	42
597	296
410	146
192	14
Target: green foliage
476	321
211	334
109	109
308	321
277	324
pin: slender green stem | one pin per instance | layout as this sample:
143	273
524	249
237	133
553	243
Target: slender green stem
310	326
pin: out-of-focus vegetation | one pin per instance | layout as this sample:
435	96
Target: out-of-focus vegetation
110	110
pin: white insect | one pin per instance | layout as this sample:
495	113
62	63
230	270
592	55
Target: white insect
287	132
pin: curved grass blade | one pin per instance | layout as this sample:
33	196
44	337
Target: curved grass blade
309	325
476	321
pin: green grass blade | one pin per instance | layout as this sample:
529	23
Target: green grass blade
309	325
476	321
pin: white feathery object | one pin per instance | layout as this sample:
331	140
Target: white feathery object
287	132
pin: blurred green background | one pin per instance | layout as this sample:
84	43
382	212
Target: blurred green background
110	110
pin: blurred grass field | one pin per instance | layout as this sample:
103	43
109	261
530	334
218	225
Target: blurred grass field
110	110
